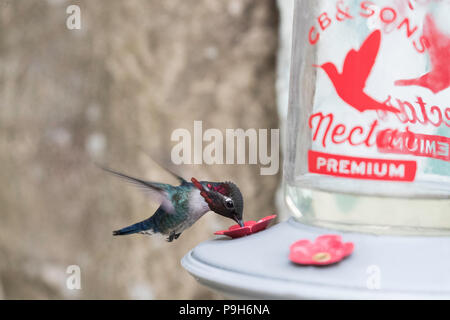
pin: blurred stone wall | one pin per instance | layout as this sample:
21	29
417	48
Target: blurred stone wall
137	70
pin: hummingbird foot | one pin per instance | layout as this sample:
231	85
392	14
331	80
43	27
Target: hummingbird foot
173	236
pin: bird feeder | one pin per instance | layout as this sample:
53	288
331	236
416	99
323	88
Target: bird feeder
367	159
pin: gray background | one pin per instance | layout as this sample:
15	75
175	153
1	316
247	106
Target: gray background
136	71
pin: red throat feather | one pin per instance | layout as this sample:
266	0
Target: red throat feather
203	192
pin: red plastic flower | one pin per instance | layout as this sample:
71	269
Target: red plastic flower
327	249
235	231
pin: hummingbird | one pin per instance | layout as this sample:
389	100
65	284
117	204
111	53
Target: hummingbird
438	78
351	82
181	206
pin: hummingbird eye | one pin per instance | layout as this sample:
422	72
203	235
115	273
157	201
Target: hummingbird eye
229	203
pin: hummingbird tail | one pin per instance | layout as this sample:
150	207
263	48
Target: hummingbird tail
145	226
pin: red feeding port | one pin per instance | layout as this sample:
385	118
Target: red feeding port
250	227
327	249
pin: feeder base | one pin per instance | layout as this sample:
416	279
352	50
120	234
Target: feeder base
381	266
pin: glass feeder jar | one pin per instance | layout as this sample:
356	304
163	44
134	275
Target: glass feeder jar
368	137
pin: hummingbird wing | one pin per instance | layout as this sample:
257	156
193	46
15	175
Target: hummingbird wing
439	44
157	191
359	63
179	178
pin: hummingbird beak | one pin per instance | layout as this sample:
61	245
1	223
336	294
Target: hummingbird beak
239	221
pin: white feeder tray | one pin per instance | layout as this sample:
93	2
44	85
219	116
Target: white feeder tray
381	267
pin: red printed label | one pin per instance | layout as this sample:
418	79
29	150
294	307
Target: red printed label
361	168
359	110
424	145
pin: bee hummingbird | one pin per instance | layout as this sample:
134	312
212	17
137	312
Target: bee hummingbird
181	206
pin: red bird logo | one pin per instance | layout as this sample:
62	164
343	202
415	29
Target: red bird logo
350	83
438	78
